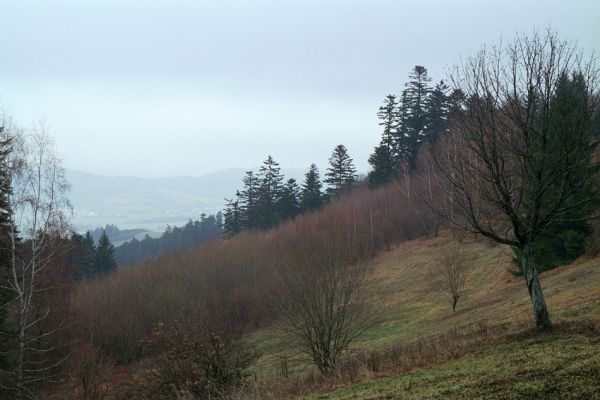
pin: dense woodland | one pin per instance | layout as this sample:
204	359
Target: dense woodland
505	150
193	233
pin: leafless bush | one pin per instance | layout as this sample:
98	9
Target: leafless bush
322	296
195	361
454	267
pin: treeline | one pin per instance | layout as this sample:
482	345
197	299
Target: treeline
267	199
419	115
88	258
193	233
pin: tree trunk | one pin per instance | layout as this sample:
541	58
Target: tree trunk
540	311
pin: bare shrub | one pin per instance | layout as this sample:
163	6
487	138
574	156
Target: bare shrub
322	295
195	361
89	374
454	267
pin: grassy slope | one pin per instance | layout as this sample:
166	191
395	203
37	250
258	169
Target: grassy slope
548	366
411	307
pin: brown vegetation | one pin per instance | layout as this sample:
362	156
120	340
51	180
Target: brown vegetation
233	278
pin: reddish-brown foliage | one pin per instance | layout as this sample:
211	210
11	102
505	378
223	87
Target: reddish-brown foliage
231	280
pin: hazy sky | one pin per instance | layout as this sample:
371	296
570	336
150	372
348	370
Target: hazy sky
158	88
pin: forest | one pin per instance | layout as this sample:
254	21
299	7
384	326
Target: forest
473	238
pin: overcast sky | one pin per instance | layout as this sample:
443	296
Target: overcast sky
159	88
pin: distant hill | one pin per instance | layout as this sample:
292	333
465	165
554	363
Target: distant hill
119	236
151	204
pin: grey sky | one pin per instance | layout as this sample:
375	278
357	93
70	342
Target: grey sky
158	88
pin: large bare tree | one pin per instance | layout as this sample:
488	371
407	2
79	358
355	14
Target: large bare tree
524	150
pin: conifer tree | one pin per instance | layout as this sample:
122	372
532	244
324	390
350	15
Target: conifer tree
564	241
389	115
341	174
289	205
269	193
249	201
105	256
87	255
438	106
311	196
233	216
382	164
413	114
385	157
456	104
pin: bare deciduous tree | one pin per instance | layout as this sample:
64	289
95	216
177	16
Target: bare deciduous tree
322	297
520	168
454	268
39	210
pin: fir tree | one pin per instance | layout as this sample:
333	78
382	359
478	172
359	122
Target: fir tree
87	255
289	205
438	106
341	174
456	104
311	196
413	114
383	169
563	242
269	193
249	201
385	157
233	216
389	115
105	256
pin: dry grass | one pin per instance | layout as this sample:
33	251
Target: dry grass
417	328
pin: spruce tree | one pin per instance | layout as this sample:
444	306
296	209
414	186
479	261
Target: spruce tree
389	115
438	106
233	223
382	164
311	196
563	242
385	158
341	174
249	201
87	255
105	256
456	104
413	114
289	205
269	193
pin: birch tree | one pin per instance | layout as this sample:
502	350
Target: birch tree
39	208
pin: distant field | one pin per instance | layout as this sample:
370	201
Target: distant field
411	308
